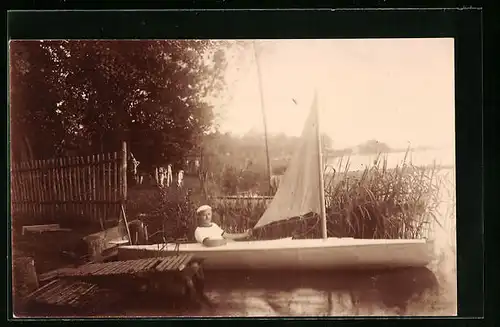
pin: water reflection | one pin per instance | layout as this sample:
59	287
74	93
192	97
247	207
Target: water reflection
345	293
290	293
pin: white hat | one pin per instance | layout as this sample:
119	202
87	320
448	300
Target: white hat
203	208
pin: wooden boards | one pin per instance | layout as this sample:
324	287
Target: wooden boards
44	228
76	294
128	267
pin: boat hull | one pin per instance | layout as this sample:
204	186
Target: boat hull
333	253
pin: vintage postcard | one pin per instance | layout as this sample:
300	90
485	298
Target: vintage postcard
233	178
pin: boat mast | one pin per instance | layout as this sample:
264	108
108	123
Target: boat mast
259	75
321	171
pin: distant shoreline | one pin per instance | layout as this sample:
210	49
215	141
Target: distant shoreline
338	153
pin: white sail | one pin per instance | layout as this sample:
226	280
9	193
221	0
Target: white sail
298	192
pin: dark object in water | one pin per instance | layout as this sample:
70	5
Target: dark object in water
399	286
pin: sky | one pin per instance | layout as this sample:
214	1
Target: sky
396	91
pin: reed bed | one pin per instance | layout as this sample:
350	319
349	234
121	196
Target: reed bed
374	203
384	203
377	202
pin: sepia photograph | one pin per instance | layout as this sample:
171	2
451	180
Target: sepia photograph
233	178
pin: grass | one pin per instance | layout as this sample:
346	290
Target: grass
383	203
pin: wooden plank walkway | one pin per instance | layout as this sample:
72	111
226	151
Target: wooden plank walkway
128	267
71	293
74	287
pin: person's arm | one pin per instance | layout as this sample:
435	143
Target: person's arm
214	242
237	236
205	239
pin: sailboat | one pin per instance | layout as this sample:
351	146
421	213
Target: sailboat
300	192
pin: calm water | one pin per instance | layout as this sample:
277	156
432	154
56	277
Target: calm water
445	157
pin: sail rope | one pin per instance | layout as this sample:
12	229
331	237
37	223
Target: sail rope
309	230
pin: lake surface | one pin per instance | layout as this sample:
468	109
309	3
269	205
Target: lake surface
445	157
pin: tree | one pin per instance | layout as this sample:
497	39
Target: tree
373	147
33	115
92	94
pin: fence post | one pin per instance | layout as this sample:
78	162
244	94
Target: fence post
123	192
123	200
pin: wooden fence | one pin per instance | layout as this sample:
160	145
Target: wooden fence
89	188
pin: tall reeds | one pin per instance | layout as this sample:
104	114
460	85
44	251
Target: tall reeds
376	202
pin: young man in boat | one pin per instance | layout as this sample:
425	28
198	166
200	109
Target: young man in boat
209	233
